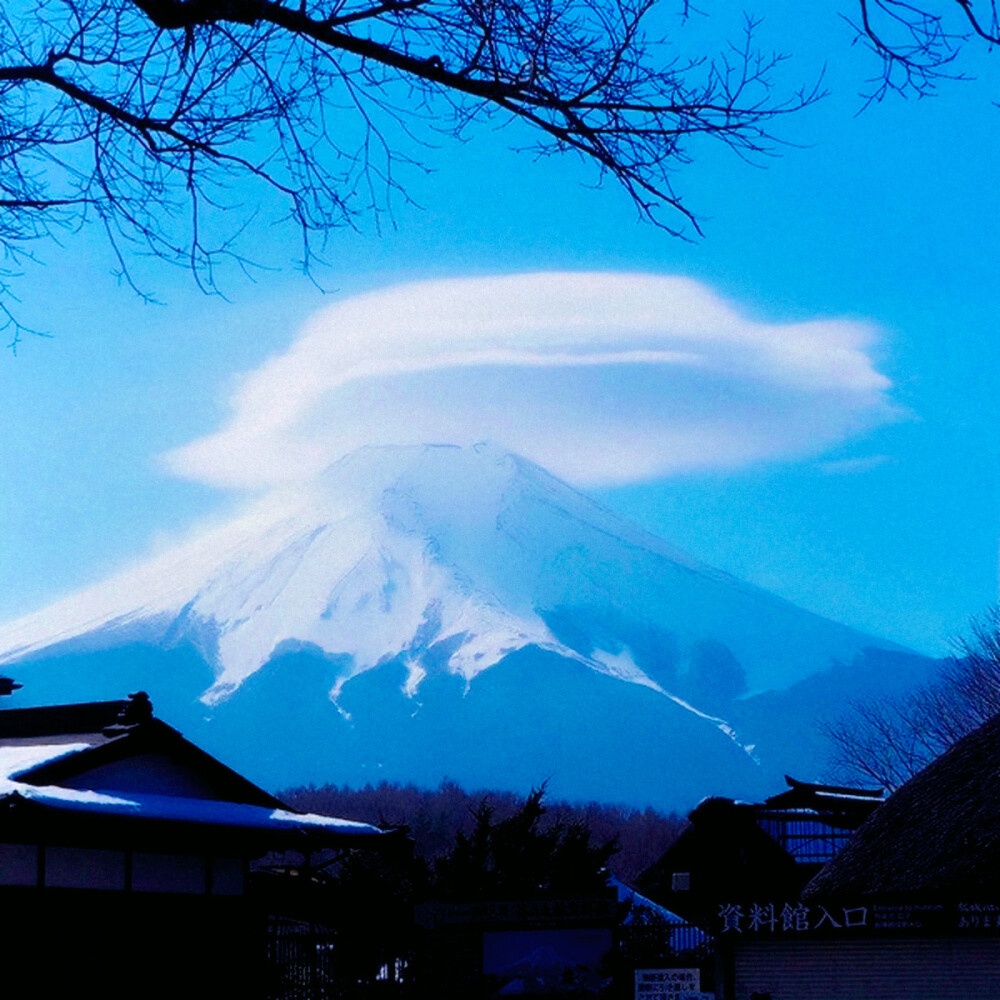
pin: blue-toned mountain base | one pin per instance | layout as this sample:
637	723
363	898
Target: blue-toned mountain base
440	612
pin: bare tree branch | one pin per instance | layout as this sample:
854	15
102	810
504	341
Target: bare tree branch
888	741
919	41
151	117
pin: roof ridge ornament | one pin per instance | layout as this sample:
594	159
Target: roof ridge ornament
136	709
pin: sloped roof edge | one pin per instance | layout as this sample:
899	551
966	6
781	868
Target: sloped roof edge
939	833
171	808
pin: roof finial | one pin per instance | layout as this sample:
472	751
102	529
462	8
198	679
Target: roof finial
8	685
135	710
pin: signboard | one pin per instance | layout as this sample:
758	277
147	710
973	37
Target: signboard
656	984
793	918
788	918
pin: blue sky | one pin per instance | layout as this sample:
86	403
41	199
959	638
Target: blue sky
884	221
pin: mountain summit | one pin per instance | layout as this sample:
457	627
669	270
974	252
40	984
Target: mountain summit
420	607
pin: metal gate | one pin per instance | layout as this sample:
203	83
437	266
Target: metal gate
307	960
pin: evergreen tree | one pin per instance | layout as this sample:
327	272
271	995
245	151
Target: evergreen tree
518	857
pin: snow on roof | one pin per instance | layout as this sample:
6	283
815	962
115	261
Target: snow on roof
851	797
186	810
681	934
18	760
626	894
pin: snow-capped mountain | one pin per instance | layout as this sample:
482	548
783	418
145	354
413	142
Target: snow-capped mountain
420	608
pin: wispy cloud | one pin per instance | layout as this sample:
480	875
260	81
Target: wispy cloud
601	377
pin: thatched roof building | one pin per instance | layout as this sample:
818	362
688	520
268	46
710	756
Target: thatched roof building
938	836
908	910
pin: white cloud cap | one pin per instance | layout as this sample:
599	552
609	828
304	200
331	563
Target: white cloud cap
600	377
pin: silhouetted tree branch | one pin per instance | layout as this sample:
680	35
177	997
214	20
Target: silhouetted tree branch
148	117
888	741
919	41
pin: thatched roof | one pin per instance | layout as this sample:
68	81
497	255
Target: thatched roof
938	835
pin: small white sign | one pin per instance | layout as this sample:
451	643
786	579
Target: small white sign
652	984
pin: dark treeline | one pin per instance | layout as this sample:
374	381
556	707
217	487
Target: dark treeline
436	816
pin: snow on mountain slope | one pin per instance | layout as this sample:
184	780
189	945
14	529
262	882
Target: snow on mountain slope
400	551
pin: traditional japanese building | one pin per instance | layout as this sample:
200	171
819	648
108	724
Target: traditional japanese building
739	850
908	910
125	852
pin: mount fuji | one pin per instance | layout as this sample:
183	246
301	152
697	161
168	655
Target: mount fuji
432	612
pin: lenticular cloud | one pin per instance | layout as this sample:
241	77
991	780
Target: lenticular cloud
600	377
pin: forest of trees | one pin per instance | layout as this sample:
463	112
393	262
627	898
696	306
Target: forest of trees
436	818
